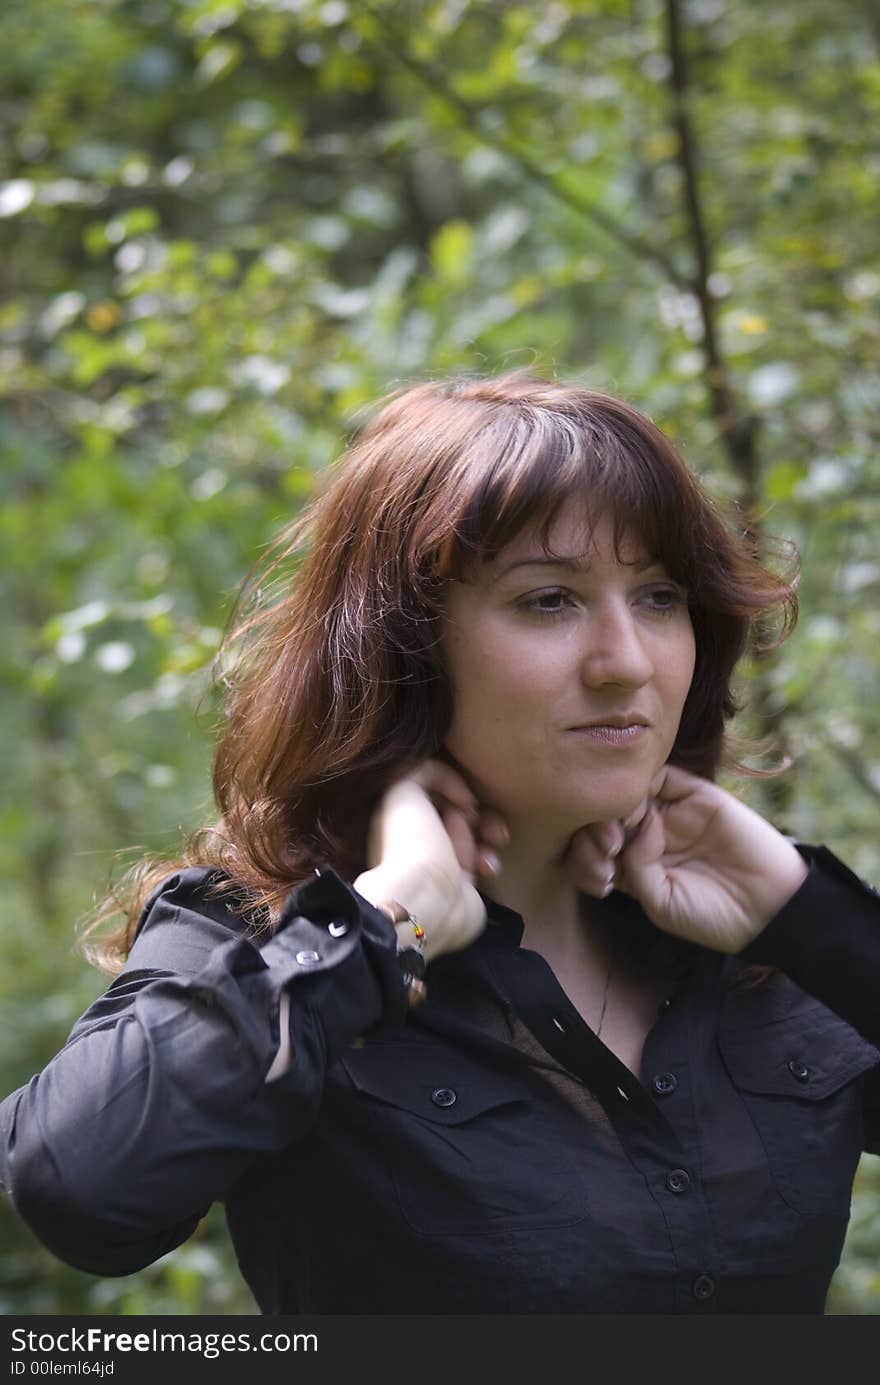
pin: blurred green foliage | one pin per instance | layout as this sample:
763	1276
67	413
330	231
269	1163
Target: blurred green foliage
228	224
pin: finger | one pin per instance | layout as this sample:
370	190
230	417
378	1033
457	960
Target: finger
633	820
641	871
492	829
440	779
589	864
609	836
648	840
487	862
671	783
461	837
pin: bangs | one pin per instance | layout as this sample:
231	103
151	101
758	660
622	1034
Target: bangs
518	479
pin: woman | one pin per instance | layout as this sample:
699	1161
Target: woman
629	1074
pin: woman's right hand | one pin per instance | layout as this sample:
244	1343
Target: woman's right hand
427	843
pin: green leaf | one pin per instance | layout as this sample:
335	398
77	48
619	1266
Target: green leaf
452	251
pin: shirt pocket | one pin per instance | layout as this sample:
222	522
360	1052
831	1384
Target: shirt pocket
469	1149
799	1081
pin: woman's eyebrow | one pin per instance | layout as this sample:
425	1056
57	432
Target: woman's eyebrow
569	564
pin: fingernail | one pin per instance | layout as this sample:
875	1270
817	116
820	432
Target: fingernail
491	862
608	887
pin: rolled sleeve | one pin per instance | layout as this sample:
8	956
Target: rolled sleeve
827	940
159	1101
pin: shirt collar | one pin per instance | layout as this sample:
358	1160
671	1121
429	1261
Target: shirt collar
507	924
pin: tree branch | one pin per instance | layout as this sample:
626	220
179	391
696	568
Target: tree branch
852	762
736	429
394	48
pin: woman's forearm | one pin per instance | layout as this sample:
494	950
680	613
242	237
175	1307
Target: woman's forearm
160	1100
827	940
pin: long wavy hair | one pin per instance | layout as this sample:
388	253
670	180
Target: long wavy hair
334	684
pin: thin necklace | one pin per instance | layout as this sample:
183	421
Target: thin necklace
605	991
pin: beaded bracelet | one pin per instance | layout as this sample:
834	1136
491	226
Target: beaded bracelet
411	959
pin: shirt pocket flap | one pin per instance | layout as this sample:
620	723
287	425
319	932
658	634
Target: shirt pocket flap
431	1082
797	1058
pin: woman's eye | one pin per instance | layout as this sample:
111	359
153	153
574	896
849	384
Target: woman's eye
665	600
551	603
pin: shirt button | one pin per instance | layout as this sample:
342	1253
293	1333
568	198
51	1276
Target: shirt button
664	1083
678	1180
308	959
443	1096
799	1069
703	1286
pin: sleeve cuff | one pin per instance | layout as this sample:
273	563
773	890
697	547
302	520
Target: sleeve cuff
827	940
322	922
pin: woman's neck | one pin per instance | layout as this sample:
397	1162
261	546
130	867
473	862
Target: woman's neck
534	881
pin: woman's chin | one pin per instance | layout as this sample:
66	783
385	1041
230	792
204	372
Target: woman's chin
613	804
542	804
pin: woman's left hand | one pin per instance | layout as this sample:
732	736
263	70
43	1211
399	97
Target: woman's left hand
703	866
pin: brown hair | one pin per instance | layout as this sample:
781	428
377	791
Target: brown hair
338	687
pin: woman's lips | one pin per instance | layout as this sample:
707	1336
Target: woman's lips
613	735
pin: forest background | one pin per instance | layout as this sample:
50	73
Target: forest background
227	225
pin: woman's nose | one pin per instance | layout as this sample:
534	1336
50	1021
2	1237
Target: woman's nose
615	649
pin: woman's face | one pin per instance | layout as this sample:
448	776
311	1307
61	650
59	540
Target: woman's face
568	676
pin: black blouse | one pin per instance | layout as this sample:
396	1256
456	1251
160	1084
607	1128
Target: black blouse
484	1153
